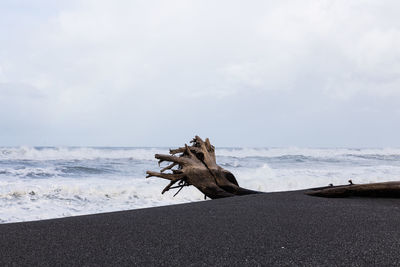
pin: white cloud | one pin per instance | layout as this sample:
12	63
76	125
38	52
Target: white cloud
96	58
124	45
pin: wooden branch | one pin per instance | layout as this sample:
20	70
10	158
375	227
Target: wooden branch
168	176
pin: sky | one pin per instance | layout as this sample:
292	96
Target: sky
309	73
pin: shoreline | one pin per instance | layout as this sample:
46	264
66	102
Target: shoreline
279	228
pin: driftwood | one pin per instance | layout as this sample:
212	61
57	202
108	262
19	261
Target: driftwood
386	189
196	165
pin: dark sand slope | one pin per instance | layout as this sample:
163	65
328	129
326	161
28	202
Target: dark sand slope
268	229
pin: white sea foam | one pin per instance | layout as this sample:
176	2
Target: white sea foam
30	172
44	199
307	152
78	153
271	180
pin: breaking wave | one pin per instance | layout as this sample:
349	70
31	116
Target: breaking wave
88	153
77	153
309	152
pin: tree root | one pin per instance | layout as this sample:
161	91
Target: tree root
196	165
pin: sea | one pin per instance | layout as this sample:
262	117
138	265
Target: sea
39	183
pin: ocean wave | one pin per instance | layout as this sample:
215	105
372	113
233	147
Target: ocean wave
268	179
88	153
306	152
77	153
76	170
53	171
30	172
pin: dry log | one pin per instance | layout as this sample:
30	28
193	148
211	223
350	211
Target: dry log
196	165
386	189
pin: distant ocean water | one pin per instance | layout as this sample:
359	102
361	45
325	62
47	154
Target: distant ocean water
50	182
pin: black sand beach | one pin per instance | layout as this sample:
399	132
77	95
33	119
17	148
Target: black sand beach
276	229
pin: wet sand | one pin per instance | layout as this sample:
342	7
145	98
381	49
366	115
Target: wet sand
276	229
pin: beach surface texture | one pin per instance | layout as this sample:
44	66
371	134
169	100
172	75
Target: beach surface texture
274	229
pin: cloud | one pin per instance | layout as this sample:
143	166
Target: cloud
99	44
111	61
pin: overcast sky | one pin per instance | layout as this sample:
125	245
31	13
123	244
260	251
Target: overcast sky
244	73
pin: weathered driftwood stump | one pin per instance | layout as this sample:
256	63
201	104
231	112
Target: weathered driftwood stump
386	189
196	165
